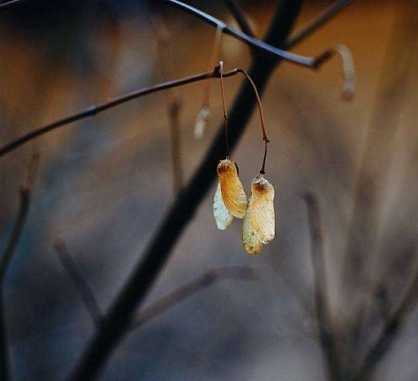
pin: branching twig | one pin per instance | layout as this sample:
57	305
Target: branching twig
325	16
6	259
310	62
160	305
94	110
240	17
389	332
82	286
326	332
204	281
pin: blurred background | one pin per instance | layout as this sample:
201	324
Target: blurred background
105	183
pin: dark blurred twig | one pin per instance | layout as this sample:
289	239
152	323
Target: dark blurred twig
325	16
262	46
5	4
160	305
6	258
82	286
389	332
240	17
204	281
327	335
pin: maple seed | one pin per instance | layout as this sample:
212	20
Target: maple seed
259	222
233	194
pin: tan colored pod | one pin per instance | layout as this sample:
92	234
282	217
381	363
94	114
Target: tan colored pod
259	222
233	194
222	216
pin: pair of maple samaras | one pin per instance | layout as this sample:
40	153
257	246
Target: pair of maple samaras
231	201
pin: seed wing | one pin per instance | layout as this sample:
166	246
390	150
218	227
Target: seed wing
223	217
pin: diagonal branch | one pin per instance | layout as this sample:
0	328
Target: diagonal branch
325	16
94	110
389	332
162	304
262	46
82	286
239	17
326	332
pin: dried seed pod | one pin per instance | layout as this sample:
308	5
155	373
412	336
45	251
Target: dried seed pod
259	224
233	194
201	122
223	217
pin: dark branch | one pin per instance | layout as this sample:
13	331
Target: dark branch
204	281
327	334
325	16
390	331
82	287
94	110
6	4
162	304
262	46
6	259
239	17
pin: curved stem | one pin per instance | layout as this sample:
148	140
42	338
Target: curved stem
221	82
262	120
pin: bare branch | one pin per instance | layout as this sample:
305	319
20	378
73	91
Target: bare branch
240	17
389	332
82	286
325	16
326	332
6	259
94	110
309	62
6	4
189	289
162	304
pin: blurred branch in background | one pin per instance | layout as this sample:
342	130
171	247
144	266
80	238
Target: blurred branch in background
161	305
359	269
240	17
327	335
7	257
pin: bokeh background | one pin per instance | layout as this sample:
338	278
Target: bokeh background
105	183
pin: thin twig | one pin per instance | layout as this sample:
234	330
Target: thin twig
204	281
6	259
309	62
82	286
162	304
240	17
389	332
94	110
5	4
326	332
325	16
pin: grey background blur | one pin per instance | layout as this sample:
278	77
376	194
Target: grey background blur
105	183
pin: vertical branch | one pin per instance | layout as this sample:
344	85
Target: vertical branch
6	259
326	332
240	17
118	319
